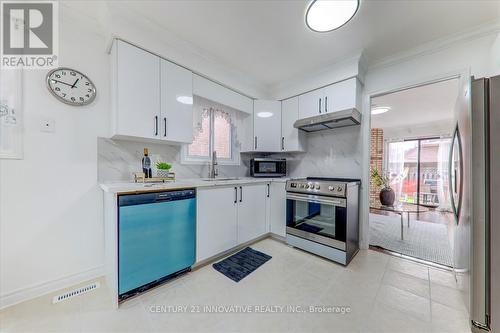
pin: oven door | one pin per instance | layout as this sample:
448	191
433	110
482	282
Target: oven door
317	218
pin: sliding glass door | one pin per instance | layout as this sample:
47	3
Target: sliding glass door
418	170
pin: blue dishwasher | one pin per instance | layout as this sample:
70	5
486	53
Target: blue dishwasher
156	238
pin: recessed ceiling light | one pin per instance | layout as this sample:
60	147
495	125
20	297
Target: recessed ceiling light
185	99
380	109
264	114
328	15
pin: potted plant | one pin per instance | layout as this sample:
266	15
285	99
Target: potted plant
387	194
162	169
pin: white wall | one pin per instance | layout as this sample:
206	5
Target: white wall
50	208
494	63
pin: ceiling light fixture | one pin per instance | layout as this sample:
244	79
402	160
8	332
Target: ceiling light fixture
380	109
185	99
328	15
264	114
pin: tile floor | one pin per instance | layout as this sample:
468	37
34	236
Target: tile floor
384	294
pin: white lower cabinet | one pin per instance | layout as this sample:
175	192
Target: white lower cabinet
277	208
228	216
251	212
216	221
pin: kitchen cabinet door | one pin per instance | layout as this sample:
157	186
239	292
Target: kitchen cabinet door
245	132
267	126
251	212
136	92
292	138
216	221
176	103
277	211
343	95
311	103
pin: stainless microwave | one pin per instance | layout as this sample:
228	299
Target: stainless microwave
268	167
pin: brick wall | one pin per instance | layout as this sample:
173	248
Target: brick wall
376	159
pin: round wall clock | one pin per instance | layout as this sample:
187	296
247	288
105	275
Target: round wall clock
70	86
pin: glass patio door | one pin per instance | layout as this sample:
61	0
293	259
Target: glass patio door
402	166
418	170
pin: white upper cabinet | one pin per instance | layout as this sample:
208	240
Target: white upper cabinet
343	95
267	126
335	97
311	103
151	97
291	138
136	92
176	103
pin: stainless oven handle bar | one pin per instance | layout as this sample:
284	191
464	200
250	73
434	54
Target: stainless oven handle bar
317	199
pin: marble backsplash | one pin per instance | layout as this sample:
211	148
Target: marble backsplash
119	159
329	153
333	153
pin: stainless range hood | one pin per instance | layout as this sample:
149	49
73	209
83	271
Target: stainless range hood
349	117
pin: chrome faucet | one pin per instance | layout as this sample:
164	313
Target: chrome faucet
212	167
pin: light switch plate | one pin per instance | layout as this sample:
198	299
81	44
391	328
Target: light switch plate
48	125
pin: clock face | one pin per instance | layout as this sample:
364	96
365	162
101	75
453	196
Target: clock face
71	86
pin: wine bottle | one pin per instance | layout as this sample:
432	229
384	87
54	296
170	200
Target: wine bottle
146	164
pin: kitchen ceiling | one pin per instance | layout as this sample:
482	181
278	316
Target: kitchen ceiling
269	42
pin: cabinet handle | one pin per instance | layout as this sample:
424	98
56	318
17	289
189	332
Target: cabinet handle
235	194
326	103
165	126
156	125
282	143
319	105
241	194
268	190
255	142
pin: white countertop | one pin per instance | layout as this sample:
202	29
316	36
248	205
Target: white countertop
127	187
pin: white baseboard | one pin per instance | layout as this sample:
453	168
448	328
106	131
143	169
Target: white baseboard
37	290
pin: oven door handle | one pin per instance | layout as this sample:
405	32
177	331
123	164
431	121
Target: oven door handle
317	199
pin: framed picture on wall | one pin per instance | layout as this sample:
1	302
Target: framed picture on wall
11	114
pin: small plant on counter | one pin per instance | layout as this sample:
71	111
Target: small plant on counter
163	166
162	169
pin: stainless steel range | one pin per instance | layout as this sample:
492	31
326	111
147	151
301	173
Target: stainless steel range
322	216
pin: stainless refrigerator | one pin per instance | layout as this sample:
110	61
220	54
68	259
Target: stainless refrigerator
482	216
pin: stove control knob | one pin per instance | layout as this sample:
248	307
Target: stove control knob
317	186
330	188
339	188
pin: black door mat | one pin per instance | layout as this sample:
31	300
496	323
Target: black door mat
241	264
